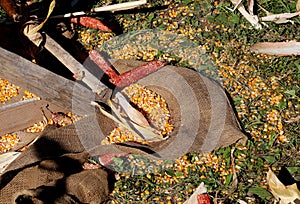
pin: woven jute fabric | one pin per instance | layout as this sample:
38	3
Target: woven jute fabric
200	111
59	180
50	171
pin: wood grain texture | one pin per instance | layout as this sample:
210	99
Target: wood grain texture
67	94
23	114
20	116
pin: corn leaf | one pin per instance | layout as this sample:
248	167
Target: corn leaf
6	159
285	194
145	133
133	114
37	28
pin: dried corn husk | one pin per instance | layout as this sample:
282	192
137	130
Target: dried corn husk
277	48
251	18
284	194
134	115
280	18
137	126
37	28
112	8
6	159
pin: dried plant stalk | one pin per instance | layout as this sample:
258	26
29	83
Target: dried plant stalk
251	18
277	48
279	18
114	7
120	7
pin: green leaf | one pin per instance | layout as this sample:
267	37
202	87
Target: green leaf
282	104
118	161
150	17
210	18
294	170
237	100
187	2
290	92
170	172
260	192
270	159
149	182
228	179
118	184
226	152
234	19
226	155
178	173
221	19
273	136
297	64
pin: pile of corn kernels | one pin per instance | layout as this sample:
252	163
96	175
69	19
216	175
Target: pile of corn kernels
154	108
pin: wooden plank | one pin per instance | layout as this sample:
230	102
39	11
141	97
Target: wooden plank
67	94
23	114
79	71
18	116
7	107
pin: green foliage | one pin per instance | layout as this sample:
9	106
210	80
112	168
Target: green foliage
2	13
260	192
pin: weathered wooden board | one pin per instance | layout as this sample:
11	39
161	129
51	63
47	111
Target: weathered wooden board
23	114
20	116
67	94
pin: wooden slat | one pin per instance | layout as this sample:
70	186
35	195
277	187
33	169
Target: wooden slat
67	94
79	71
9	106
18	116
23	114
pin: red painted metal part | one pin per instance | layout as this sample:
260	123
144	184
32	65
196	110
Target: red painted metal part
128	77
203	198
137	73
90	23
99	60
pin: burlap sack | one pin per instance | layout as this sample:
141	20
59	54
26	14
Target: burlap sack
200	111
60	180
203	121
